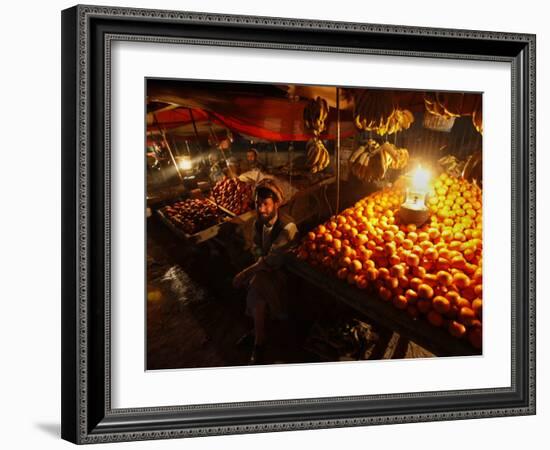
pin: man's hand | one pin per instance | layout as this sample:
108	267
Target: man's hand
240	279
245	275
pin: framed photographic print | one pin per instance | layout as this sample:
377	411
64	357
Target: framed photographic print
282	224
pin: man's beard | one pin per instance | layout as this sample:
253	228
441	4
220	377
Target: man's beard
266	219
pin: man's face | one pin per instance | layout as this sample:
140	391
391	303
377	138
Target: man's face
266	209
251	156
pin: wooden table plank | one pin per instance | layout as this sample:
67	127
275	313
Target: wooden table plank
436	340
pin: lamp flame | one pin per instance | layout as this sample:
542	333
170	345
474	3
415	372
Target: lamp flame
185	163
421	179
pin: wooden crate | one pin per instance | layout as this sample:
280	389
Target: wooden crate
199	236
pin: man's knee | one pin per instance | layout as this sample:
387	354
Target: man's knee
260	281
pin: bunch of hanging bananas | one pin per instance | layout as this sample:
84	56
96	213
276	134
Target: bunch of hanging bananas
315	114
318	158
477	117
400	119
451	165
376	111
455	104
360	160
371	160
473	167
444	104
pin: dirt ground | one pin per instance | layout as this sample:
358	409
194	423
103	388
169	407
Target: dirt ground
195	316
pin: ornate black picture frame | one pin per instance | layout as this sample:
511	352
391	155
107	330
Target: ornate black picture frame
87	34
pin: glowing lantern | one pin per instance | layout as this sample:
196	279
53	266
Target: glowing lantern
414	209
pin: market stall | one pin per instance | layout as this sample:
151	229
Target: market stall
409	254
385	187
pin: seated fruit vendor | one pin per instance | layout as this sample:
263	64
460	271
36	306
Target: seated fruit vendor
266	282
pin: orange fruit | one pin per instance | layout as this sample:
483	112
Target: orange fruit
415	283
403	282
433	234
440	290
388	236
441	304
392	283
342	273
462	303
400	302
419	272
477	307
389	248
408	244
425	291
383	273
444	278
431	253
427	264
431	279
458	262
397	270
457	329
372	274
394	259
478	290
461	280
435	318
477	276
412	260
362	282
468	293
453	297
466	315
384	293
311	246
344	261
442	264
411	295
356	266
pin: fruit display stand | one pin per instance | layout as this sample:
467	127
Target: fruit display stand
416	271
435	340
199	236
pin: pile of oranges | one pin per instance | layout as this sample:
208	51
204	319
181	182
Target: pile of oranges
432	271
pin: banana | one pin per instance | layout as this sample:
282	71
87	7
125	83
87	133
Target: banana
326	161
314	115
318	156
357	153
364	159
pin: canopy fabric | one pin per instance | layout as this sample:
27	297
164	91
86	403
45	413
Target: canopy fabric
265	112
267	119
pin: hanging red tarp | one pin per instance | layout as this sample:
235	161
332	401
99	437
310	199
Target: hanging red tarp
172	118
268	119
254	111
